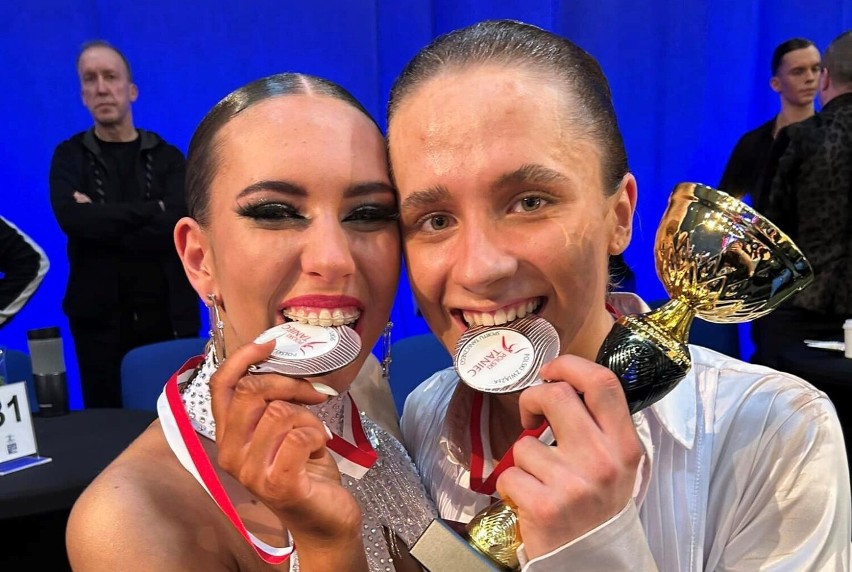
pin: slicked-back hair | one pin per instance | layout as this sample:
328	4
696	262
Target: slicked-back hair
202	158
785	48
104	44
838	59
532	49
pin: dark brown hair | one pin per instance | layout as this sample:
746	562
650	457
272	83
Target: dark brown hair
526	47
201	161
785	48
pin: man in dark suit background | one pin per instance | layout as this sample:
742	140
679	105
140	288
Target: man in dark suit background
117	192
795	71
810	199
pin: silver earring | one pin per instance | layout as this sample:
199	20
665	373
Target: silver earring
217	331
386	350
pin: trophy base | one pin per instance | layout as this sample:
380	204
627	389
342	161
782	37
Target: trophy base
648	363
441	549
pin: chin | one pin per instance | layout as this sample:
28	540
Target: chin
342	379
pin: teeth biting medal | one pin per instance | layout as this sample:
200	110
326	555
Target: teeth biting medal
505	358
304	350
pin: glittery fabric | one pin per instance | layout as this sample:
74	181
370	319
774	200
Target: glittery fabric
196	399
391	494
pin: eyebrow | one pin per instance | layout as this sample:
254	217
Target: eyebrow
424	198
532	173
527	173
295	190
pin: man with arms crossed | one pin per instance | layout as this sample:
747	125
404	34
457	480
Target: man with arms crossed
117	192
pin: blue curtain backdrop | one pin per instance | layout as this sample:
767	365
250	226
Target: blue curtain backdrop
688	79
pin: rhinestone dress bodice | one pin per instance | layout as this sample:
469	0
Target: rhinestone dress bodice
391	494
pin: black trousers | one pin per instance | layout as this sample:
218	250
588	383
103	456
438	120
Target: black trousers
101	343
786	326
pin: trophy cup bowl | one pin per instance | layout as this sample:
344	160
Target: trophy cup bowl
718	259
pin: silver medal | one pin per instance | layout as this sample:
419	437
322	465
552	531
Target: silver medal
506	358
303	350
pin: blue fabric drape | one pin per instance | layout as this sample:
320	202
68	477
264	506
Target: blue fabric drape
688	79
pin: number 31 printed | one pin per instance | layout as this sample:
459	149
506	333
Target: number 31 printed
12	404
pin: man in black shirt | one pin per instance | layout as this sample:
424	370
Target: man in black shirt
795	71
810	199
117	192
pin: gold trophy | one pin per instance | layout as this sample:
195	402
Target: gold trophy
718	259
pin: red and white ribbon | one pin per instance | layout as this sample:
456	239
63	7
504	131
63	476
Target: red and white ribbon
353	452
483	478
353	459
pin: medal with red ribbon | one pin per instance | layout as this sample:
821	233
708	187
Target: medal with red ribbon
352	451
479	358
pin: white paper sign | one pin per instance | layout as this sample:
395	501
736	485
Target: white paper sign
17	438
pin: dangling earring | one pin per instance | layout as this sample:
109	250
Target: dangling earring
386	350
217	331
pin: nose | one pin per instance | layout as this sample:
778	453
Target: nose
101	85
327	252
484	256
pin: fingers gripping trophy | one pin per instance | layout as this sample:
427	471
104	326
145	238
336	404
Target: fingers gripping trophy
717	258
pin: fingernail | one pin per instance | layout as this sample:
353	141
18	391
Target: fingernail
324	389
328	431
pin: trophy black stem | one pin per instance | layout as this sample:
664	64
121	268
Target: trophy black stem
648	352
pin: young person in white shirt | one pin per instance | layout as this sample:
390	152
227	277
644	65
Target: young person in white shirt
514	191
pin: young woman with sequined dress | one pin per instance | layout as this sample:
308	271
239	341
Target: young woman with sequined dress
293	218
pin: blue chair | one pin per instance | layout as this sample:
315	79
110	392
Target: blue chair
19	367
146	369
413	360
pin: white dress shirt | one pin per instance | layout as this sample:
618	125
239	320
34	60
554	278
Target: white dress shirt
745	469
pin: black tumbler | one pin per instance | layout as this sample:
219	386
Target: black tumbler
51	385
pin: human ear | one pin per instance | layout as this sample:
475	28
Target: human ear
623	207
824	80
775	84
193	248
134	92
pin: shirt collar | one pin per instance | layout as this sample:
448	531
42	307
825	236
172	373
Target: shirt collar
677	411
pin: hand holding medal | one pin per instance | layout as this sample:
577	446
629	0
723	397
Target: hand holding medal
277	448
491	359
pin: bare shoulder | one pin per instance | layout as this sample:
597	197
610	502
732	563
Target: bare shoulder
146	512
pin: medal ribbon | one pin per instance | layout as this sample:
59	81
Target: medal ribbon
612	311
352	452
479	482
352	459
487	485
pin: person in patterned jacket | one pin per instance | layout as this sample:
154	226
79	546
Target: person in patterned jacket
810	199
